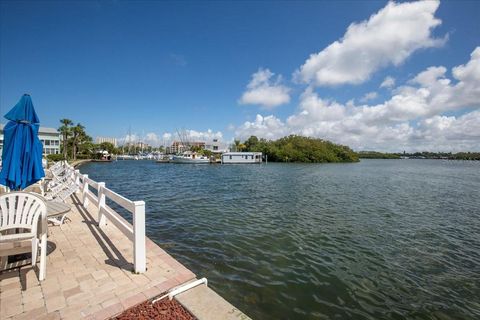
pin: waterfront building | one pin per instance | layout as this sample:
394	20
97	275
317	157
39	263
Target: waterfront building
180	147
141	145
106	139
216	146
241	157
49	137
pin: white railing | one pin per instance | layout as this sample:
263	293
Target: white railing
135	233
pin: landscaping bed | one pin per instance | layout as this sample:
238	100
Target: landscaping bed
164	309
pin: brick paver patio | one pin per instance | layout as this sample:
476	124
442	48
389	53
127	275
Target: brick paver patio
88	274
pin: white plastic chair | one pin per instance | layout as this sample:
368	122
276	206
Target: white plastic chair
62	191
62	172
23	216
59	168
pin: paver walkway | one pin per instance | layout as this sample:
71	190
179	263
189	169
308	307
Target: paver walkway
88	274
206	304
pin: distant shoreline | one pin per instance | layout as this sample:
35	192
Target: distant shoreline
420	155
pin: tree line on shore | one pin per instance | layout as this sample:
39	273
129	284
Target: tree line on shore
295	148
77	144
420	155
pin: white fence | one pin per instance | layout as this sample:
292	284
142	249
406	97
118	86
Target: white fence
135	233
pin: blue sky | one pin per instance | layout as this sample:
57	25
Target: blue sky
155	67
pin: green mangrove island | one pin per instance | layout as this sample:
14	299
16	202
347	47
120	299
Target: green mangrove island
295	148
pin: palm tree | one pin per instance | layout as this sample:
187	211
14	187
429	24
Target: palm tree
65	131
78	132
236	145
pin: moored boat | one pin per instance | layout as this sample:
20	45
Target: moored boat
190	157
163	159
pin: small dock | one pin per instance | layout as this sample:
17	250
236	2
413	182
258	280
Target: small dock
89	275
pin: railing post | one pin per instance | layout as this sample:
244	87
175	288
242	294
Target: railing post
85	191
77	178
139	249
102	220
71	172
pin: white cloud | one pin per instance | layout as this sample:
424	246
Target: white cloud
411	119
152	139
209	135
449	133
167	136
265	90
388	82
268	127
369	96
388	37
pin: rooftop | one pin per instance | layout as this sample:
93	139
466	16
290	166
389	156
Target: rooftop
40	130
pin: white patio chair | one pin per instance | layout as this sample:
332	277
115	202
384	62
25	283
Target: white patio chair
56	181
62	172
23	217
62	191
57	164
61	187
57	167
60	169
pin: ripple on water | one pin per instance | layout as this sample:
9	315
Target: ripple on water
377	239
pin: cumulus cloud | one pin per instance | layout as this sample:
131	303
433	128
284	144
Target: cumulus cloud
167	136
266	90
152	139
388	37
413	118
208	135
268	127
388	82
369	96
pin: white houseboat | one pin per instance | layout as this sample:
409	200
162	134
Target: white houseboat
241	157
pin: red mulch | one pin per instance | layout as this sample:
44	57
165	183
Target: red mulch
164	309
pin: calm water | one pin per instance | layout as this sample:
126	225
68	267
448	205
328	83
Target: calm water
380	239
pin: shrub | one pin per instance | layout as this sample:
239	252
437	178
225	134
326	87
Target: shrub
55	157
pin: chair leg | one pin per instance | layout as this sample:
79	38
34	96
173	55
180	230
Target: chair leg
63	218
43	257
3	263
34	251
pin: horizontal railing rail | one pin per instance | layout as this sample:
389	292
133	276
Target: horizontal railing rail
135	232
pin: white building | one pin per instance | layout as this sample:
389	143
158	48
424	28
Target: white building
216	146
49	137
105	139
241	157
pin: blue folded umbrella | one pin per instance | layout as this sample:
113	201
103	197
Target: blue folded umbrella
22	150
